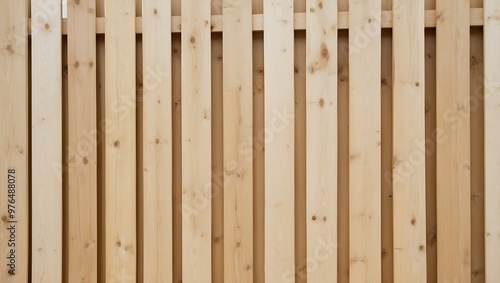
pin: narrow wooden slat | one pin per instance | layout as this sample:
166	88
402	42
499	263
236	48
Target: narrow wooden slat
120	140
157	142
453	150
82	142
321	140
196	142
364	141
492	138
238	131
279	141
46	142
14	141
409	142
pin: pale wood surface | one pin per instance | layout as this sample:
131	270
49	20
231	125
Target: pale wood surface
157	142
279	143
238	141
46	138
82	143
14	146
492	138
365	141
409	142
321	140
196	142
453	150
120	141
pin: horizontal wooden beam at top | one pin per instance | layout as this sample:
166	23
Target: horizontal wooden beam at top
476	19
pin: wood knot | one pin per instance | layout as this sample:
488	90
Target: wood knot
4	218
85	160
238	244
116	143
314	218
118	243
192	40
77	64
413	221
324	52
421	247
417	84
10	49
321	102
77	2
91	64
47	26
320	5
155	11
157	141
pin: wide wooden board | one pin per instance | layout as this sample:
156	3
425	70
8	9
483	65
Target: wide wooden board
46	138
408	174
364	141
14	149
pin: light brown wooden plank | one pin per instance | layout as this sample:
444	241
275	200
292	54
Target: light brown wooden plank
82	142
492	138
476	19
14	141
453	152
409	142
196	142
238	141
279	141
321	140
46	166
120	139
157	142
365	141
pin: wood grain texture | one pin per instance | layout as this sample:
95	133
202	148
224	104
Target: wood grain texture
157	142
238	141
279	141
492	138
14	146
120	140
409	142
82	143
196	142
46	119
365	141
453	152
321	140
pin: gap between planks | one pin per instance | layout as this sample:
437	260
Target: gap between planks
476	19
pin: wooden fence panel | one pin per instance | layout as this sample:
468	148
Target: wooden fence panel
453	147
120	142
321	141
492	138
409	142
279	141
196	142
365	141
14	147
46	139
82	143
238	141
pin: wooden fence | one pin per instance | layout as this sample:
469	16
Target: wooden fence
269	141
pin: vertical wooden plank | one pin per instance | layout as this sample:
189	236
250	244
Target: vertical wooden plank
46	141
279	141
453	153
157	142
14	141
409	142
321	140
196	142
492	138
365	141
120	139
82	142
238	131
